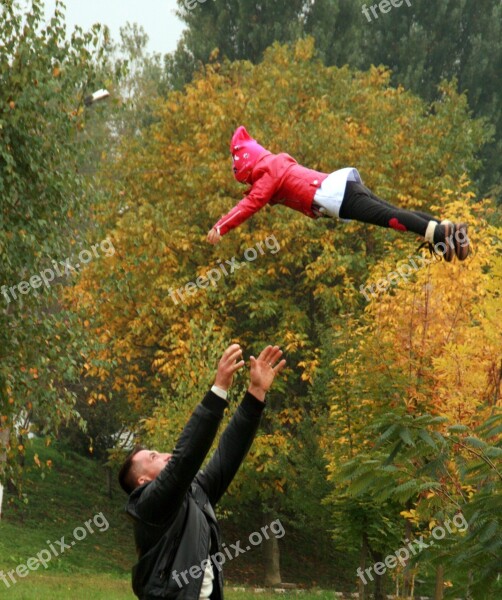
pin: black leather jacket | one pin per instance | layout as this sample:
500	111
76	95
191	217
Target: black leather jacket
175	527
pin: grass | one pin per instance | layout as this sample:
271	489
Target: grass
69	494
97	567
103	587
63	587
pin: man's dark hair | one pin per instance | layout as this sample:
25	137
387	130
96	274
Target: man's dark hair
127	475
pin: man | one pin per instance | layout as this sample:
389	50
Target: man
172	502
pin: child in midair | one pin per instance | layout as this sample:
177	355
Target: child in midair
279	179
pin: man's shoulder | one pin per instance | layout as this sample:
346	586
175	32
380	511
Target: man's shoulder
134	499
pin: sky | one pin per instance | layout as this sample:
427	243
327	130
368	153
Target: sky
156	16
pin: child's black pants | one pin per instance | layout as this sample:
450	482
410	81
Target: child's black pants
361	204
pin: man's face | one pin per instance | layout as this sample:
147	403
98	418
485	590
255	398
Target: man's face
149	463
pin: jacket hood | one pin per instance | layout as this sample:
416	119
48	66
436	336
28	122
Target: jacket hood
133	500
245	154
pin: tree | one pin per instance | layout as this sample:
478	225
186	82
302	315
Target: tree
421	366
243	31
220	25
43	81
157	347
458	40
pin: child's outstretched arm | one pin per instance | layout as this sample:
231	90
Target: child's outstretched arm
261	193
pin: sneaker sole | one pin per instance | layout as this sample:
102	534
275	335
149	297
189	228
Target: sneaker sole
449	253
462	251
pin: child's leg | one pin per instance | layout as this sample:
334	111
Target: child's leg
426	216
360	204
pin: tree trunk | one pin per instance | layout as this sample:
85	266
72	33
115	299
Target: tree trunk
468	593
378	590
4	442
379	579
362	564
408	575
271	554
109	482
412	591
438	592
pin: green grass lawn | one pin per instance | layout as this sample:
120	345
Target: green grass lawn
71	493
102	587
97	567
68	586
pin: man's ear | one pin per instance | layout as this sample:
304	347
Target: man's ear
143	479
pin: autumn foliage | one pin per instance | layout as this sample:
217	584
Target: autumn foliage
430	345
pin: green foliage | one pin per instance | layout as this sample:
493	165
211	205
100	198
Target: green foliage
479	463
458	40
44	78
159	350
239	30
412	461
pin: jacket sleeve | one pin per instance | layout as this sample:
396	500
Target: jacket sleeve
232	449
164	495
261	193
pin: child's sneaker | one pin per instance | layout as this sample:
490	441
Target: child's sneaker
445	244
462	244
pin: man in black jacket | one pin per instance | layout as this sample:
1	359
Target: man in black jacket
171	501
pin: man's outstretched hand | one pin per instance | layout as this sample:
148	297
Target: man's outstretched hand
263	371
230	362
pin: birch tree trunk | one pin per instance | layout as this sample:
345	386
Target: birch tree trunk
4	442
271	555
362	564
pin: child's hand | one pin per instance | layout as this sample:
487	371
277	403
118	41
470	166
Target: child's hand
213	237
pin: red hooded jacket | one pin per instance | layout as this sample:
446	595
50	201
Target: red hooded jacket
275	179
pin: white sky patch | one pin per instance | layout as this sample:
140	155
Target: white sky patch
157	17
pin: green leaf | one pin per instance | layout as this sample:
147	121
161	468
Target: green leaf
404	434
474	442
425	436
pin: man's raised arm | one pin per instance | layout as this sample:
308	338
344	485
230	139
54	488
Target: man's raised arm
163	495
240	432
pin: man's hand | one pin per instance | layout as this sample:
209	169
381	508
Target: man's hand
213	237
263	371
228	365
